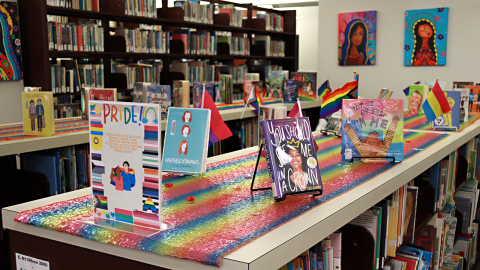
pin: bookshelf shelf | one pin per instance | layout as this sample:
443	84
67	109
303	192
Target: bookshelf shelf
75	12
75	54
66	94
275	248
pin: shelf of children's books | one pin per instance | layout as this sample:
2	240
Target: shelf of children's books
75	12
75	54
422	219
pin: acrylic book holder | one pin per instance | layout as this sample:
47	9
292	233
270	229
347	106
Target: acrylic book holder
125	227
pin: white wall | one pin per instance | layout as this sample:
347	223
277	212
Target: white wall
307	29
463	54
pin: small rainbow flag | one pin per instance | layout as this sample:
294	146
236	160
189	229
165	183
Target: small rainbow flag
406	91
255	99
436	103
333	101
324	89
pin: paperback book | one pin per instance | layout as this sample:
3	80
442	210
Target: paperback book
418	95
464	96
372	128
125	169
181	94
473	98
275	79
290	91
224	91
307	85
198	92
385	93
161	95
451	119
186	140
291	157
38	113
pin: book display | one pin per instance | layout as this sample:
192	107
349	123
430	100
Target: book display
37	110
450	120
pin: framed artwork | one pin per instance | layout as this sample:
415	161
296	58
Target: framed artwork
10	51
357	38
426	37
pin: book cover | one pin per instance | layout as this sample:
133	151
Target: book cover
140	92
464	98
450	120
269	112
38	113
332	123
392	231
425	238
186	140
418	95
473	98
410	214
432	84
458	84
161	95
275	79
290	91
291	158
125	169
247	89
198	92
224	91
385	94
107	94
259	87
307	85
181	94
372	128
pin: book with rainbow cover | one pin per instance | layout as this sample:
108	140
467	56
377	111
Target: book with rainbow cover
372	128
125	169
291	157
307	85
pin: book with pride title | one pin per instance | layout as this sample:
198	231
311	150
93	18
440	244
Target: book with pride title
307	85
125	169
37	113
186	140
372	128
291	157
451	119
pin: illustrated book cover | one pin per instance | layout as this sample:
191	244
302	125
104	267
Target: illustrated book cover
275	79
291	157
87	94
38	113
181	94
161	95
269	112
125	163
307	85
290	91
464	97
385	93
418	95
140	91
451	119
186	140
372	128
198	92
473	98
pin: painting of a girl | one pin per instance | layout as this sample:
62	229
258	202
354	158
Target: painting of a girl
426	37
357	38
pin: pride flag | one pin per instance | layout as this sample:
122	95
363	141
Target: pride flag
218	129
436	103
324	89
255	99
406	91
333	101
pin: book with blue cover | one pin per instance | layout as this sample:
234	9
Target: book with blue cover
290	91
198	92
291	157
186	140
451	119
372	128
161	95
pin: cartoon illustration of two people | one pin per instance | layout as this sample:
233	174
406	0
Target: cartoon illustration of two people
37	112
123	178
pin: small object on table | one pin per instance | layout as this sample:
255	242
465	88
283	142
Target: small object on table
168	184
191	199
248	175
407	141
236	186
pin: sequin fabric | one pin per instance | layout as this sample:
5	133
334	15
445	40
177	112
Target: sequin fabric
420	122
225	214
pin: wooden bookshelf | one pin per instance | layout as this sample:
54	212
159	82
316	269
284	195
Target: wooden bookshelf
37	58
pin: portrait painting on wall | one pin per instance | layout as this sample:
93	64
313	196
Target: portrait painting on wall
426	37
10	49
357	38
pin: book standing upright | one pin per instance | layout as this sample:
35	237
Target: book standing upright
37	111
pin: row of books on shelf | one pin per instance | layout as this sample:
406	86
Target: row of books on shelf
274	48
237	45
198	42
64	111
429	223
273	22
140	73
72	79
145	39
195	11
84	36
67	168
236	15
91	5
141	8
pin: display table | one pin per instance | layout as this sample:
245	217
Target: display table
269	251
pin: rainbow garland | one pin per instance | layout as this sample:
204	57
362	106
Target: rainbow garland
420	122
65	125
222	218
241	104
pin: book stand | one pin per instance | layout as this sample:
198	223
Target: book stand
313	192
446	128
326	132
125	227
386	157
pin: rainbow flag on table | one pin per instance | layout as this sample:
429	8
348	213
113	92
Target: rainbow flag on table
255	99
333	101
436	103
406	91
324	89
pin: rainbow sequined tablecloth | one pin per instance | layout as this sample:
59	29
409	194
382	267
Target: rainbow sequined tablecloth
65	125
420	122
222	218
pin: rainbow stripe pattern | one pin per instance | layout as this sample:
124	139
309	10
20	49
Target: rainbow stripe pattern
64	125
420	122
240	105
222	218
